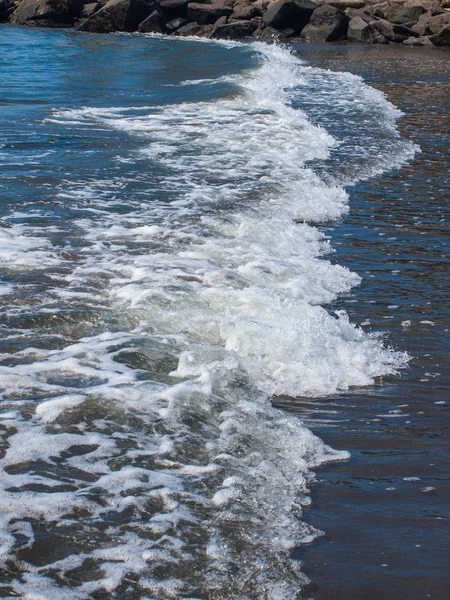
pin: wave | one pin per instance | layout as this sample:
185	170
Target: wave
142	441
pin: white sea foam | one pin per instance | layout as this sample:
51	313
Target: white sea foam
151	443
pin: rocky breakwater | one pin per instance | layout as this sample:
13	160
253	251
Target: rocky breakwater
410	22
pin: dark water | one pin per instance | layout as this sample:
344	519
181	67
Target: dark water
168	214
386	511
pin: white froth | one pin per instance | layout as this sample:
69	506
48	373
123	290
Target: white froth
159	425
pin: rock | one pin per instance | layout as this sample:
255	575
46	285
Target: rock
267	34
437	23
360	31
262	5
175	24
326	25
344	4
378	9
154	23
89	9
246	10
119	15
418	41
392	31
433	6
445	4
421	27
233	31
352	13
404	13
221	21
6	8
174	9
284	14
442	38
195	29
205	14
46	13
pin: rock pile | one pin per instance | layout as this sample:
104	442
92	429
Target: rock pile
411	22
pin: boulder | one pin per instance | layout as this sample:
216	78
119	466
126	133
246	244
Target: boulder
442	38
418	41
352	13
392	31
246	10
360	31
404	13
154	23
205	14
436	24
203	31
6	8
343	4
289	14
326	25
233	31
46	13
433	6
421	27
89	9
267	34
174	9
119	15
175	24
378	9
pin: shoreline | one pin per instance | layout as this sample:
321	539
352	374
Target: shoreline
384	510
423	23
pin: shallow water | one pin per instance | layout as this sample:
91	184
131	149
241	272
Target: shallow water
167	275
385	512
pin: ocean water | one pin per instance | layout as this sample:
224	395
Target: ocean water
167	274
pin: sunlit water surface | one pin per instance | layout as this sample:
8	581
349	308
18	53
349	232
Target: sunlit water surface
167	276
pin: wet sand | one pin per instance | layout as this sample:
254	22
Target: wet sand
385	513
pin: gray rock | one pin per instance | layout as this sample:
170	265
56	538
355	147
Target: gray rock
344	4
326	25
205	14
392	31
433	6
221	21
174	9
436	24
289	14
46	13
195	29
378	9
154	23
233	31
267	34
119	15
6	8
89	9
421	27
246	10
442	38
175	24
360	31
404	13
418	41
352	13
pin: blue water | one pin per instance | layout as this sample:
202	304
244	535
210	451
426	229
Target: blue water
167	275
